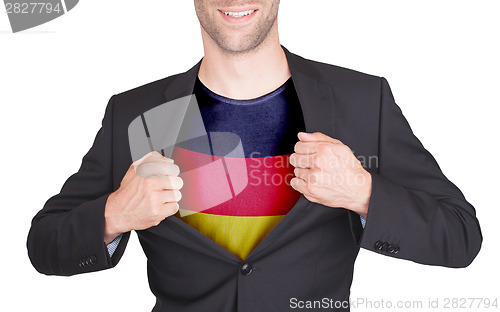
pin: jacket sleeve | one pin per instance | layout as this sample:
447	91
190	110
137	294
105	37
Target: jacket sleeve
415	212
67	236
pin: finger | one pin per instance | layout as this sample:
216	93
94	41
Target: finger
147	156
316	136
311	176
310	147
157	169
152	156
171	208
302	161
301	186
157	157
169	196
150	170
302	173
172	169
134	165
172	183
302	147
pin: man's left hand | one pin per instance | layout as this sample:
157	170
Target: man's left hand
327	172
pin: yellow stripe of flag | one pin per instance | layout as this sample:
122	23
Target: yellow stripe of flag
239	235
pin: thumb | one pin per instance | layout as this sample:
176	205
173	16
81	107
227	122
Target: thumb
316	136
152	156
147	157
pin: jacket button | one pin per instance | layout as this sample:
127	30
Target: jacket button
246	269
378	245
390	249
385	245
83	263
395	249
93	260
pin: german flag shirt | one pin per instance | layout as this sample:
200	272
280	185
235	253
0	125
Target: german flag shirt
244	188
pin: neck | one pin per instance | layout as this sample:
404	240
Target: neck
244	75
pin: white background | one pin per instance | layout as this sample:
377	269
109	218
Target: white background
440	58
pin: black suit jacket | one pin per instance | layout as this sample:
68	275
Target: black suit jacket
415	212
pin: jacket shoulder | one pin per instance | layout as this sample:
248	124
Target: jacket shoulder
153	90
339	75
134	102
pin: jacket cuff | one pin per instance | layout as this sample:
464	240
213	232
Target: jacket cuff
90	252
381	214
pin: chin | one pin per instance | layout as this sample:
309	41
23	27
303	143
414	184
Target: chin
238	44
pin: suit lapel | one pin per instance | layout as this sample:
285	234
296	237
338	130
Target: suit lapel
183	84
316	98
318	108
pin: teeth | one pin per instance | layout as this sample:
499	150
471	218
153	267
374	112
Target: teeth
239	14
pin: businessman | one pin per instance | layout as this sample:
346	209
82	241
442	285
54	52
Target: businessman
313	127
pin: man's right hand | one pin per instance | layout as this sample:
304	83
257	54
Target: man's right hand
148	193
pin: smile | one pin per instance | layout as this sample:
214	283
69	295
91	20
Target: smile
239	14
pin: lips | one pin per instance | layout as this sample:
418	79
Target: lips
237	15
